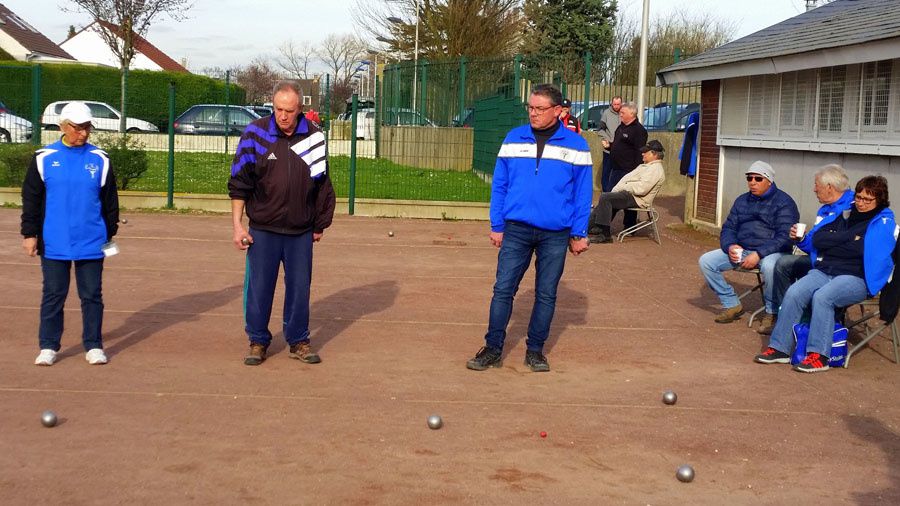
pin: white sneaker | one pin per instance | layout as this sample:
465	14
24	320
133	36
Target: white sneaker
95	357
46	357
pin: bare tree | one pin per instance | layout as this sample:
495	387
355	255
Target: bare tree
341	54
295	58
118	22
257	78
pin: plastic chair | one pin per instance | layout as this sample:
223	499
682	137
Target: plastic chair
870	309
653	217
757	286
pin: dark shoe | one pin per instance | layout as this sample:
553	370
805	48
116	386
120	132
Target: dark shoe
812	363
486	357
599	239
595	230
773	356
730	314
303	353
536	361
257	354
766	324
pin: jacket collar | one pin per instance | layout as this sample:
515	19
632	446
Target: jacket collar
302	126
765	196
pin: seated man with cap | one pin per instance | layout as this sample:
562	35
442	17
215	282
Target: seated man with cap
635	189
569	121
755	235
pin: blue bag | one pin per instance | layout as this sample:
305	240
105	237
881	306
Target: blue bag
838	344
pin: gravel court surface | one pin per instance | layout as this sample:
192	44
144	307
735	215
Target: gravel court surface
177	417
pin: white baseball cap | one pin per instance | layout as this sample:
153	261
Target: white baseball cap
76	112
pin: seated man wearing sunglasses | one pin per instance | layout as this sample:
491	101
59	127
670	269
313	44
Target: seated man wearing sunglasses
755	235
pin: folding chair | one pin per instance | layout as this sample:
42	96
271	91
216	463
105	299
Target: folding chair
757	286
869	309
653	217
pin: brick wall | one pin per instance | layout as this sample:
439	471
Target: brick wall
708	167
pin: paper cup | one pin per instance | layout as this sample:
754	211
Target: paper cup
738	252
801	229
109	249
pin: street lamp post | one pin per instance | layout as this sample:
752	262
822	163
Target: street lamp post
642	69
398	21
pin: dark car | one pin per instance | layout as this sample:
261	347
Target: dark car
262	110
595	112
468	118
657	118
214	119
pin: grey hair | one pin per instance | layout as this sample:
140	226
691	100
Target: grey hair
834	176
631	106
287	85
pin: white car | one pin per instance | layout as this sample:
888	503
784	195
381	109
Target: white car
13	128
106	117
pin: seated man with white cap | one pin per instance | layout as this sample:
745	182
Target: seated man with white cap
755	234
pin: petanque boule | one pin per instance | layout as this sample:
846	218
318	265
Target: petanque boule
48	419
245	241
391	233
124	221
435	422
669	397
685	473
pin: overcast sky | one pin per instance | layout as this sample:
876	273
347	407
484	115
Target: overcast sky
223	33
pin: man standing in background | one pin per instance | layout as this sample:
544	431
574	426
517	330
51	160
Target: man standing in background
609	122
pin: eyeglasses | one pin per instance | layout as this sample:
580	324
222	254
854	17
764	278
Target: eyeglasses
539	110
865	200
758	179
85	127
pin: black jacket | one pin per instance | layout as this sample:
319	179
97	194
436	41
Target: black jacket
625	149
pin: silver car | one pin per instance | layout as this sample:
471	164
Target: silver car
12	127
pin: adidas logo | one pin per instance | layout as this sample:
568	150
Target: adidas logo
272	157
54	164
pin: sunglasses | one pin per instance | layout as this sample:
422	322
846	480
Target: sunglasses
758	179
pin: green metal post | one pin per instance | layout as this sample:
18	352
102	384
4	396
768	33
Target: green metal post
517	76
395	99
462	89
36	105
587	89
380	100
170	190
674	110
423	91
352	194
227	108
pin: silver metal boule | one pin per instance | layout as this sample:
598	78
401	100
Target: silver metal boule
124	220
435	422
245	241
48	419
669	397
391	233
685	473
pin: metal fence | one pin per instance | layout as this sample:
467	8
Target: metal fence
430	132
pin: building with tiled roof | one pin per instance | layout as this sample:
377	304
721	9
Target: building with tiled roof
23	42
88	46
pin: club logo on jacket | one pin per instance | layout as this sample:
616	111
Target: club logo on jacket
92	168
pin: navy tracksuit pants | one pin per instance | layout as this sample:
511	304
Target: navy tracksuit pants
264	257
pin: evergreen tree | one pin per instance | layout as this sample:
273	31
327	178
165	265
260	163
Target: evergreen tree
569	28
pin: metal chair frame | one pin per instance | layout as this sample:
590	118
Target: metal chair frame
653	217
873	331
757	286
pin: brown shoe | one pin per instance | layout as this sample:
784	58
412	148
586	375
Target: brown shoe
303	353
257	354
730	314
766	324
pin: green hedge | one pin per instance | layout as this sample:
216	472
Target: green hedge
147	91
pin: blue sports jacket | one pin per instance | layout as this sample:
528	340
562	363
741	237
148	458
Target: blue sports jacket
827	213
554	193
878	248
761	224
70	202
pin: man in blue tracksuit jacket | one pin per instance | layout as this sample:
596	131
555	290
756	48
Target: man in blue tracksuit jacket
540	205
832	189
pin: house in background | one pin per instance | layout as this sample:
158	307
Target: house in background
88	46
23	42
822	87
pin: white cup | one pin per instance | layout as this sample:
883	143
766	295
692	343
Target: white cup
109	249
738	253
801	229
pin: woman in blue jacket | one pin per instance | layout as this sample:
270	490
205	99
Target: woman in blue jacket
70	210
852	261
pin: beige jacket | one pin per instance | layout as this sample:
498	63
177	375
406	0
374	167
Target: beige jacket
643	183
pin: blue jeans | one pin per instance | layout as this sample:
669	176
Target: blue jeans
824	293
520	241
788	268
88	279
264	257
715	262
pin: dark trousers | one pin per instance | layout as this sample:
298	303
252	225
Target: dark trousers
616	174
520	242
607	173
608	203
264	257
788	269
88	279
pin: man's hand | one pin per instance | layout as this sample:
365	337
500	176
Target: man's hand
241	238
497	238
579	246
750	261
793	233
29	244
733	253
317	236
605	143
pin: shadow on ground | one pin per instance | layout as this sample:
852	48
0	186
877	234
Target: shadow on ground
875	433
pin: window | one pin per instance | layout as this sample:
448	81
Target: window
239	117
307	100
875	95
832	81
798	96
763	95
101	111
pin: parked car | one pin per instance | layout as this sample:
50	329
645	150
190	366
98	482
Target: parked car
595	112
106	117
261	110
365	123
405	116
12	127
210	119
656	118
467	119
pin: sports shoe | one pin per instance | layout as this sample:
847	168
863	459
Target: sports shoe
95	356
772	356
599	239
256	355
730	314
486	357
766	324
45	357
303	353
812	363
536	361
